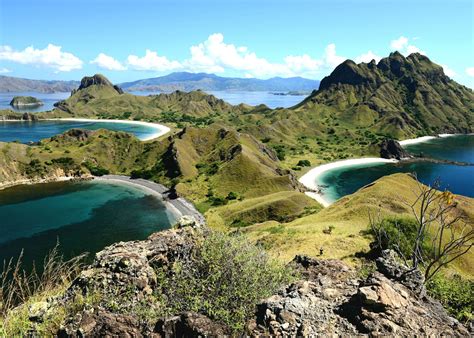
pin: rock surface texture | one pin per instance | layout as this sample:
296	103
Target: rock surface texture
392	149
328	299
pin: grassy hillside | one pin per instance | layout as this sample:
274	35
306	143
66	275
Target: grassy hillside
348	218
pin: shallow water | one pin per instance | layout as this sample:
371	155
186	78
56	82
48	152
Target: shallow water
459	179
26	131
81	216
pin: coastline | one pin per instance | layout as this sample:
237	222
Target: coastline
160	128
29	181
179	206
309	179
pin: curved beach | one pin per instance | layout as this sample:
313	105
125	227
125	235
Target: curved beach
159	128
309	179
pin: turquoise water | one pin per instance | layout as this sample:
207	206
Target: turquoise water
459	179
24	131
82	216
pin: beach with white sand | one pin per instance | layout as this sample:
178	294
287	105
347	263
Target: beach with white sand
159	128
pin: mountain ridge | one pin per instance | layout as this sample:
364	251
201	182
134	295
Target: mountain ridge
187	81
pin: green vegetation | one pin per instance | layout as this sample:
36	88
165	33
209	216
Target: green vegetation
225	279
455	293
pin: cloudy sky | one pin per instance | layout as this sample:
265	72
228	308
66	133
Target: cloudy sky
128	40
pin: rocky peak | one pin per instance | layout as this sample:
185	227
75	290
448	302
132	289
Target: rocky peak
97	80
349	73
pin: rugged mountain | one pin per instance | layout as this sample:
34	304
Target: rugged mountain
193	81
16	84
98	97
399	96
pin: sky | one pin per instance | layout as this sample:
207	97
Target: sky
129	40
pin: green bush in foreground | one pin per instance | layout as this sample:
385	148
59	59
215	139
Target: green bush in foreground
455	293
225	279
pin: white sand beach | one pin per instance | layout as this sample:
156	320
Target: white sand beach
417	140
160	129
309	179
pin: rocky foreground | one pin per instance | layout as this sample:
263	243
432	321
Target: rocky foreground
329	298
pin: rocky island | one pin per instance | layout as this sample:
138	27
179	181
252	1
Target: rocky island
25	101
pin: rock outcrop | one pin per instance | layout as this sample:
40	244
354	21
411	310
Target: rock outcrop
328	299
392	149
331	300
97	80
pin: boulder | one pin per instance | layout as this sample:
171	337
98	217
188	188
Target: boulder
392	149
189	324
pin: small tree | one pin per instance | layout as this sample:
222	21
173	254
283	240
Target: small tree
441	232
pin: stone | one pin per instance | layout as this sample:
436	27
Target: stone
392	149
37	311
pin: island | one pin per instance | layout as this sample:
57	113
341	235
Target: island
25	101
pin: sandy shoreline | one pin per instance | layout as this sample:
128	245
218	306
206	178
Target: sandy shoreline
179	206
159	128
309	180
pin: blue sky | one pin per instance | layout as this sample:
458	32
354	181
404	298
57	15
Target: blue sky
128	40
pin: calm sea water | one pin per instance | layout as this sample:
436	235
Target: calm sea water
24	132
48	99
250	98
459	179
81	216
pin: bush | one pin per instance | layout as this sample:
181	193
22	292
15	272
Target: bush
96	170
455	293
224	279
304	163
398	234
232	196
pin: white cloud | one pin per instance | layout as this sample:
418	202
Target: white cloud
367	57
470	71
4	70
399	44
107	62
153	62
51	56
448	71
216	56
403	46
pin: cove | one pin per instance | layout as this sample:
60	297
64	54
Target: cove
34	131
342	181
81	216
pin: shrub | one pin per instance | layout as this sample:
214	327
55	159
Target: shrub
232	196
455	293
304	163
398	234
96	170
224	279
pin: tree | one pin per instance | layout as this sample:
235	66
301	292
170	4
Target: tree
442	232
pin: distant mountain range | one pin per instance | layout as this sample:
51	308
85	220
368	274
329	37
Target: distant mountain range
192	81
175	81
16	84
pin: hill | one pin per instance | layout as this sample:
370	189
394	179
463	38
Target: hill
400	96
16	84
98	97
193	81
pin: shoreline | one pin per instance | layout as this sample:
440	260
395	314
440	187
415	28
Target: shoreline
179	206
160	129
28	181
309	180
